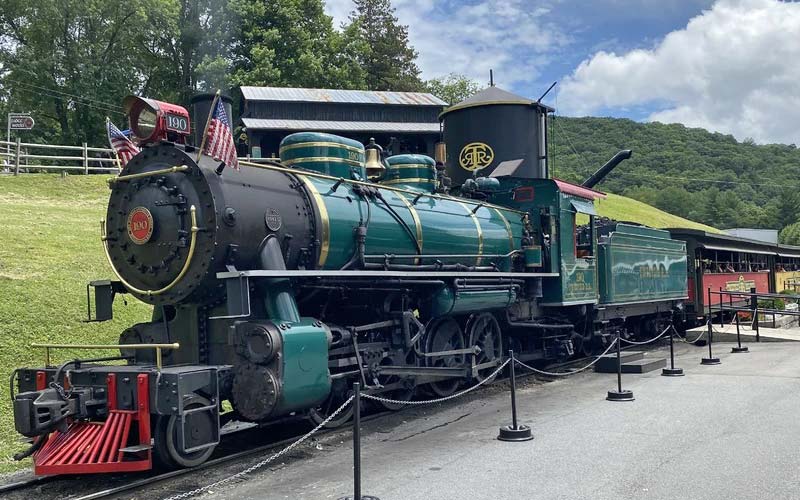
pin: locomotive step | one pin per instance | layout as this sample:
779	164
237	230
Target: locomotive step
608	363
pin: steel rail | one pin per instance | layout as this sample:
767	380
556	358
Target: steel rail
149	481
18	485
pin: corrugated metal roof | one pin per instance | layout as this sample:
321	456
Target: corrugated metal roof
340	96
279	124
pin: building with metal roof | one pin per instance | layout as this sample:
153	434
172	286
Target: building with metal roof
399	121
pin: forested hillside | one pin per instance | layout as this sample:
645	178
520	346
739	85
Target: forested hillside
690	172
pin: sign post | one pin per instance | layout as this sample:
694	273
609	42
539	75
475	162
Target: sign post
17	121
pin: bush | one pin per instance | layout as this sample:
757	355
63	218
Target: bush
776	304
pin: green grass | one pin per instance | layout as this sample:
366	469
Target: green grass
50	248
626	209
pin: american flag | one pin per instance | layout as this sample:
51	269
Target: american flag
219	139
123	146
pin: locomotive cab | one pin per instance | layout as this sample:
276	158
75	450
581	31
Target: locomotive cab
562	218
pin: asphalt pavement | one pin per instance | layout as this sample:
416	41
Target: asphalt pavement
727	432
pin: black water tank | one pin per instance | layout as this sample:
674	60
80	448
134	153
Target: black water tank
491	127
199	113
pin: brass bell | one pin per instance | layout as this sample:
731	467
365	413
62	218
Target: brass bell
375	168
440	153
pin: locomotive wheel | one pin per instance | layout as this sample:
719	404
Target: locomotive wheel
445	334
484	331
405	393
201	428
583	345
338	395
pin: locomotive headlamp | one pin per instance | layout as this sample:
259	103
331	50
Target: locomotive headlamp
153	120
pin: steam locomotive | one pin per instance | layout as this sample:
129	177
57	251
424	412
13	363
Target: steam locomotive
275	287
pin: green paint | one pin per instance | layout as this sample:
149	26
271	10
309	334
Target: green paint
305	376
416	172
639	264
325	153
448	301
446	226
553	213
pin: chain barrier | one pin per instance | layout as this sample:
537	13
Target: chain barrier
266	460
631	342
573	372
440	400
685	341
349	400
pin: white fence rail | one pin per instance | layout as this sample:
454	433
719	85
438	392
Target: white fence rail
16	157
19	157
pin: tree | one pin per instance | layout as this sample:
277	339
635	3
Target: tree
790	235
201	47
452	88
292	43
388	59
785	208
70	62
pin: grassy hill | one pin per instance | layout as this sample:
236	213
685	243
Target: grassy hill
51	249
627	209
691	172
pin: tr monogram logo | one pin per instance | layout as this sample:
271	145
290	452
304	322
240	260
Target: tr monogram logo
475	156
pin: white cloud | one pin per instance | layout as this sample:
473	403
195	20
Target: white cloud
513	37
734	68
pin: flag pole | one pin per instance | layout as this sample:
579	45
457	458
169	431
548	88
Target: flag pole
116	156
208	122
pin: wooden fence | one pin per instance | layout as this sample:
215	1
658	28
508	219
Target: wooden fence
17	157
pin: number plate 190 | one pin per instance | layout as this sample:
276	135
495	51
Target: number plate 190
177	123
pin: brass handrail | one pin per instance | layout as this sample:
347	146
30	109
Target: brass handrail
170	170
157	347
192	246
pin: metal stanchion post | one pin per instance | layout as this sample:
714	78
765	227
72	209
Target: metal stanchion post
738	348
514	432
671	371
620	394
710	315
730	301
710	360
755	318
357	447
754	306
721	310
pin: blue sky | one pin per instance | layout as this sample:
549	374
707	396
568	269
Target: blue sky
613	26
725	65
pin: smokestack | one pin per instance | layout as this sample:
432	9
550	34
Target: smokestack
606	169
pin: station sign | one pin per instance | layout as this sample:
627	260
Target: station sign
20	121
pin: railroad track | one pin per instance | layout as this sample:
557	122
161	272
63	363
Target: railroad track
21	485
115	491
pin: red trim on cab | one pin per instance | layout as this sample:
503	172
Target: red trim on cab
580	191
